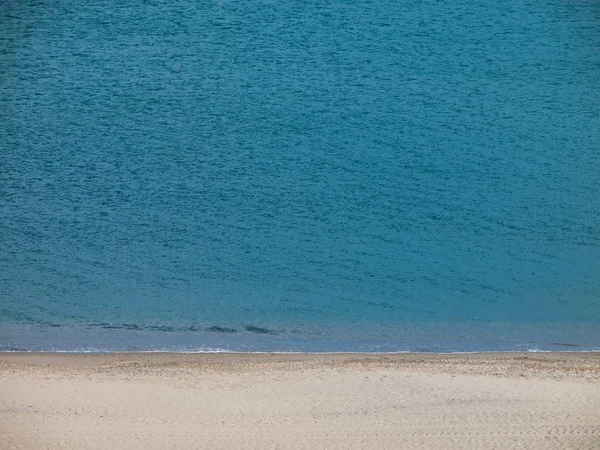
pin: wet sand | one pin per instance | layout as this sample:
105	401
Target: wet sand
297	401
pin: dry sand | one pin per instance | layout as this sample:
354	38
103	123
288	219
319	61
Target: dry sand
235	401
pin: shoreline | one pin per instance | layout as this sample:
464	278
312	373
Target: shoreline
417	337
229	352
208	352
160	400
32	356
536	364
258	354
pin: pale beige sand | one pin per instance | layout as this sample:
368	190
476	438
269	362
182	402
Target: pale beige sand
238	401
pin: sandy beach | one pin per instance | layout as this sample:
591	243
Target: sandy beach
299	401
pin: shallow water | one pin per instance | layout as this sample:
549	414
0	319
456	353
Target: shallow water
322	176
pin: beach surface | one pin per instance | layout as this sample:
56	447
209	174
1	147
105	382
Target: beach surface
300	401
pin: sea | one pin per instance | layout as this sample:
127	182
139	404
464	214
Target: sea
286	176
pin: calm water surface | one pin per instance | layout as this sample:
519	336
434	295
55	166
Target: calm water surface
278	175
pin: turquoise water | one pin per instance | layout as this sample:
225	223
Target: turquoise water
316	176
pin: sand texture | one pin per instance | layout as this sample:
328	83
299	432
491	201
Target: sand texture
351	401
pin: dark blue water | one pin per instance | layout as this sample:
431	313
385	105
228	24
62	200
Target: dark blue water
317	176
